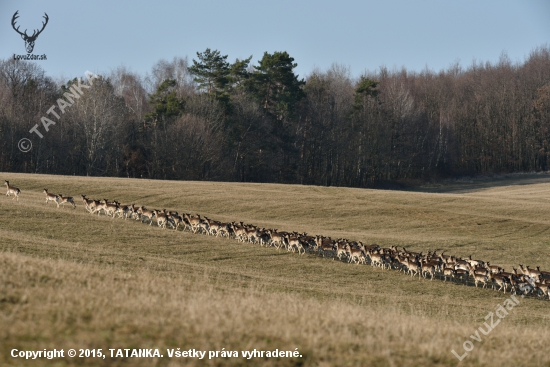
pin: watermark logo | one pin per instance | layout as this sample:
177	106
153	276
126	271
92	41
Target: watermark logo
75	92
501	312
29	40
24	145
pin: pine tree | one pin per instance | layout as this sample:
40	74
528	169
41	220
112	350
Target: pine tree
165	103
276	86
211	72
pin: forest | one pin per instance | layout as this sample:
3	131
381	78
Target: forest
212	119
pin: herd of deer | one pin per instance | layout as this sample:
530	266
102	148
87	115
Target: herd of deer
432	264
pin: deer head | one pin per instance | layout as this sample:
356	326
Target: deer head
29	40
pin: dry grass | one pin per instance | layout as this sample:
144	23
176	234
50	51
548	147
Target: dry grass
70	280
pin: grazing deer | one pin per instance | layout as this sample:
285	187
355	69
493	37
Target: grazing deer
65	199
50	197
12	190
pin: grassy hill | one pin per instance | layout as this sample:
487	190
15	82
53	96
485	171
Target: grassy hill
73	280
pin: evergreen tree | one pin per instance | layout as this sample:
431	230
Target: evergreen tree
238	74
212	72
365	88
276	86
165	103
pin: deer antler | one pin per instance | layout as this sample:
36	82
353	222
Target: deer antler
43	23
25	35
34	35
15	16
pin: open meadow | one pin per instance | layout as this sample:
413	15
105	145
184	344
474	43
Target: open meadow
70	279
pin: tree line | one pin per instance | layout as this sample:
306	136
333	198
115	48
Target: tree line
210	119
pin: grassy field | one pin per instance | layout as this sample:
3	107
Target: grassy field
73	280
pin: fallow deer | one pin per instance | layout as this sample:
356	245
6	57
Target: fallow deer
88	203
50	197
62	200
12	190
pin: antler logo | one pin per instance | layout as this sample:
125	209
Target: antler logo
29	40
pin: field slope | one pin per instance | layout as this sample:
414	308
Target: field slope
73	280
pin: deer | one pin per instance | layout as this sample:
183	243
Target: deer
65	199
294	242
100	205
357	254
276	239
376	259
50	197
175	220
499	280
12	190
428	268
542	289
89	204
533	273
543	274
340	248
474	263
111	208
127	211
448	272
194	222
403	262
529	272
481	278
324	244
493	269
145	214
161	218
29	40
462	274
413	267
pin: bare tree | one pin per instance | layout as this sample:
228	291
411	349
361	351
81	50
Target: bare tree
98	117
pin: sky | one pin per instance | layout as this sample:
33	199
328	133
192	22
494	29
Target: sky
361	35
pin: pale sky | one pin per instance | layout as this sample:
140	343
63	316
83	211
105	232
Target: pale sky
362	35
